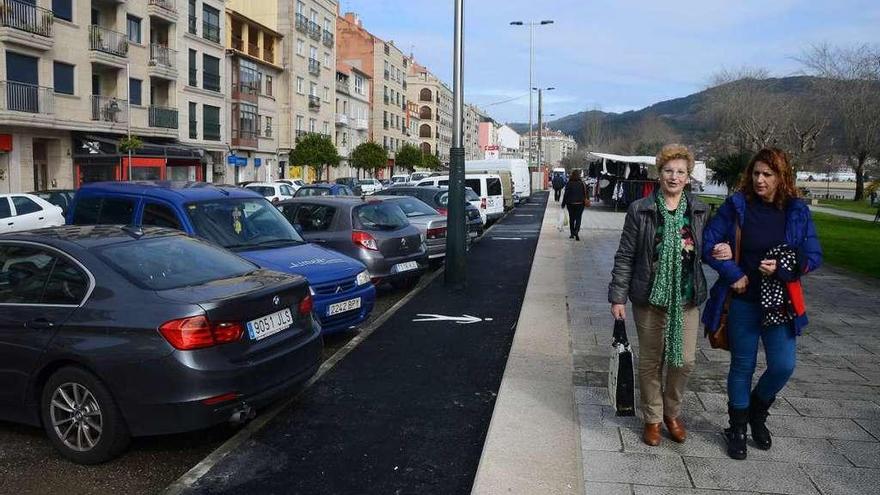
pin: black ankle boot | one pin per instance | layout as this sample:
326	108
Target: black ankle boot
758	412
736	434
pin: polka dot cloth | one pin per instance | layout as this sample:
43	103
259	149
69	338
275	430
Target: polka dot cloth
775	301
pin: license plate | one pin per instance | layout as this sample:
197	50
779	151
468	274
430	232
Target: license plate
270	324
342	307
405	267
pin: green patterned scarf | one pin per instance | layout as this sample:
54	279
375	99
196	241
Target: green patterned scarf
666	292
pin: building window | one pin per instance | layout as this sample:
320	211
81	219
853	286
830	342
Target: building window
247	120
387	50
134	91
326	94
63	9
210	72
193	122
326	60
269	85
359	84
326	128
210	23
268	126
313	89
193	72
300	47
313	125
192	17
299	122
300	83
63	78
134	29
211	124
300	7
313	53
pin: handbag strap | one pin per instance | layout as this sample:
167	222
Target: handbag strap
737	251
619	336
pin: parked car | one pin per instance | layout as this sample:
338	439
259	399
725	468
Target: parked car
244	222
438	198
109	332
352	183
427	219
488	188
323	190
385	183
20	212
370	186
470	195
274	192
518	169
375	232
399	179
417	176
294	183
58	197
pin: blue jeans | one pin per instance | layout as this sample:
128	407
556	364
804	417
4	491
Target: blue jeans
743	331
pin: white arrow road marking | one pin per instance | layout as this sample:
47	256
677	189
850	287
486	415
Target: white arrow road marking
461	320
506	238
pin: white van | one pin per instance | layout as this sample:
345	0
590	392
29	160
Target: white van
487	187
519	173
399	179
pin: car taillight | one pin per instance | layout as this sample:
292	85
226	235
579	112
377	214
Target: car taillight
198	332
438	233
483	203
306	305
442	211
364	239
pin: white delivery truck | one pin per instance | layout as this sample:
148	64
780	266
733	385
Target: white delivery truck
518	169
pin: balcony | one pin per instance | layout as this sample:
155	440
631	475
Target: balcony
162	9
254	50
302	23
28	98
329	38
109	109
244	138
26	25
314	103
314	30
107	47
341	119
211	32
238	44
314	67
342	87
163	117
163	62
246	91
269	54
359	124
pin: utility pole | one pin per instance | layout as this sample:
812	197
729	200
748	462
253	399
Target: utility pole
541	126
455	274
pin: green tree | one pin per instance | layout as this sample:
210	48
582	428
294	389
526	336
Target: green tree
316	151
369	156
431	162
132	143
728	169
409	157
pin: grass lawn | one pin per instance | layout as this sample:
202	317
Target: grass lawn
850	243
846	205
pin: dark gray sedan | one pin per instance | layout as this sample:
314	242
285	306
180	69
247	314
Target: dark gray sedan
375	232
427	219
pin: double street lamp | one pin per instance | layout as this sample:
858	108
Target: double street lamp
531	25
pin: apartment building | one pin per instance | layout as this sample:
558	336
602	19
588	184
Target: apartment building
413	121
555	146
352	114
253	58
77	76
435	111
473	116
387	67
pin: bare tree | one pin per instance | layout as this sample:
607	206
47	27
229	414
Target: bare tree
594	132
850	81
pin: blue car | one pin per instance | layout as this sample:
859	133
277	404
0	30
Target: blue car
324	190
243	222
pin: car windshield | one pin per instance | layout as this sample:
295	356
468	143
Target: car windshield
366	182
470	195
242	223
172	262
313	191
380	216
263	190
413	207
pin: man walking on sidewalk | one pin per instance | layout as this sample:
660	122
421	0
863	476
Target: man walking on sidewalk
558	184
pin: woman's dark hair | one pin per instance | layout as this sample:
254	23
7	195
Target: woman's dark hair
778	162
575	175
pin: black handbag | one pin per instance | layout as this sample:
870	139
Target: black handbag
621	384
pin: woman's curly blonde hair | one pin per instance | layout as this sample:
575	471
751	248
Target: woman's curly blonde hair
674	152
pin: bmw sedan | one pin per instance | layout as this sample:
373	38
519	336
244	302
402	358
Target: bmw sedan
109	332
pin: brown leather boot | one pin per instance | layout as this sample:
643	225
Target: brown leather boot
651	435
676	429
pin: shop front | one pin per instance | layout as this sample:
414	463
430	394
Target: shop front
97	158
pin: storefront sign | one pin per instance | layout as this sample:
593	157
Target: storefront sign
258	162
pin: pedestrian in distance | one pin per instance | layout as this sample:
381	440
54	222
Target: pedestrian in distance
658	268
558	184
575	198
778	246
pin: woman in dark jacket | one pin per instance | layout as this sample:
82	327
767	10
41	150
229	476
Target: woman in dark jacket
575	198
779	245
658	267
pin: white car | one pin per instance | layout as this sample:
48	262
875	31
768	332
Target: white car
399	179
27	212
293	183
273	191
370	186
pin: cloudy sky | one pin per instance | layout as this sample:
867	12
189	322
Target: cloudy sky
615	55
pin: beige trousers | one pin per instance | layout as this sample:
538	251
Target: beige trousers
657	399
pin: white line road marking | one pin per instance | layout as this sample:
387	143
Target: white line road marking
506	238
461	320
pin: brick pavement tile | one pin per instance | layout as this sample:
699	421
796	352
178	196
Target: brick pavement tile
831	428
698	444
645	469
861	454
799	451
591	488
717	403
725	474
871	426
828	408
842	391
844	481
600	439
662	490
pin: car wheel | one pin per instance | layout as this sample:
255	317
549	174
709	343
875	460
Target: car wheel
405	283
81	417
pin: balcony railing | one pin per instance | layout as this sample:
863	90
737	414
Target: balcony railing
22	97
342	87
246	138
360	124
211	32
162	55
26	17
165	4
341	119
314	67
164	117
314	30
302	23
108	41
314	102
328	38
211	81
269	54
109	109
237	43
192	25
211	131
254	50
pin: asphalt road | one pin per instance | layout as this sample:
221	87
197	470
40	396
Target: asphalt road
30	465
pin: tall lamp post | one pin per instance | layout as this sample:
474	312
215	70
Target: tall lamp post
455	274
531	25
541	125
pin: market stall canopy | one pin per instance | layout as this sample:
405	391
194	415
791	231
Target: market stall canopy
698	174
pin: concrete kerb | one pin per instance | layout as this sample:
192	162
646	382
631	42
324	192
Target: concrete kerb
533	442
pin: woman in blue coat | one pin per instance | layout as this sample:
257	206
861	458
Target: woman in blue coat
779	245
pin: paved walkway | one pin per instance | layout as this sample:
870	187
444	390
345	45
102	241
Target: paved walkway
842	213
826	423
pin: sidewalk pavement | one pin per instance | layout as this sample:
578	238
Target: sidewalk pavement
842	213
826	423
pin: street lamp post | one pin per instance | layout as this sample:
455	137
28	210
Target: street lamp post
541	125
455	274
531	25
